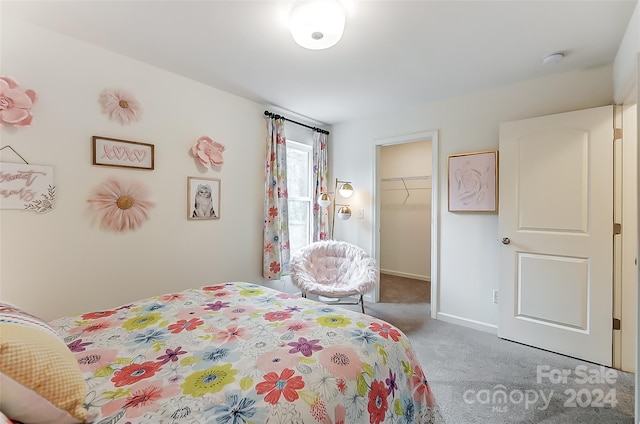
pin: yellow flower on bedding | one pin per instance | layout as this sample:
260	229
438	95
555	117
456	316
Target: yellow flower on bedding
142	321
251	292
211	380
334	321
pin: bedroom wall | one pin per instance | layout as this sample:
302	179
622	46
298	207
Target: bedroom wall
468	248
61	263
405	214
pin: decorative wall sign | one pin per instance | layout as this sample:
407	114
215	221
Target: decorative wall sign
123	153
203	198
26	187
473	182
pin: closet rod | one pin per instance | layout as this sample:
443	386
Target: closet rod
420	177
276	116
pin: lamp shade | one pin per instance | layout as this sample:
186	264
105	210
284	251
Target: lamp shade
346	190
344	213
317	24
324	200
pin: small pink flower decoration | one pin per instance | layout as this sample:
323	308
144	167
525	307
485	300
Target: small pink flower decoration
208	152
15	103
120	207
120	105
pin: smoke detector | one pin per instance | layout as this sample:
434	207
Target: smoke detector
553	58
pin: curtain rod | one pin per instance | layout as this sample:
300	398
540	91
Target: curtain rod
276	116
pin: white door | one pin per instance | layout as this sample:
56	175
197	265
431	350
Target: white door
556	230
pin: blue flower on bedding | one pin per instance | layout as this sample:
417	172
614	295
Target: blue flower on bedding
154	307
408	410
235	410
149	337
214	355
364	337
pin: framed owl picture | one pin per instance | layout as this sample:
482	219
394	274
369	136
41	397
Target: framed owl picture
203	198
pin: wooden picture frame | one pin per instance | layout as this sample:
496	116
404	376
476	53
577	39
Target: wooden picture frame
473	181
203	198
122	153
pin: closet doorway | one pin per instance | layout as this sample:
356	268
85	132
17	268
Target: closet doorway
405	222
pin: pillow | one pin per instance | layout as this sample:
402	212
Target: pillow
40	380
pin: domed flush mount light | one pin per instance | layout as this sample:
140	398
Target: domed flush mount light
317	24
553	58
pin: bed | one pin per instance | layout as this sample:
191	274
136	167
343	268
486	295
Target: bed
236	353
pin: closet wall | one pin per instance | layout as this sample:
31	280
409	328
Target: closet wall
405	210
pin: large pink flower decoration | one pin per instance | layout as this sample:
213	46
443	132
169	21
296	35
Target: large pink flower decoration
120	105
208	152
15	103
120	207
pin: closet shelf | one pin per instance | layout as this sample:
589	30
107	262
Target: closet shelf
404	182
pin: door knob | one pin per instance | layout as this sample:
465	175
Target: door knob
505	240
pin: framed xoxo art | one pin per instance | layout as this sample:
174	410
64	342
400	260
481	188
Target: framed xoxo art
122	153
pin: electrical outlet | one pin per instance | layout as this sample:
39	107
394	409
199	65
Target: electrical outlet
495	296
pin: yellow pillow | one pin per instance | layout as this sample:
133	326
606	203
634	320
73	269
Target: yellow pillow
40	380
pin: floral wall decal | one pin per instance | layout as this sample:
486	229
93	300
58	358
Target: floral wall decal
120	105
15	103
208	152
120	206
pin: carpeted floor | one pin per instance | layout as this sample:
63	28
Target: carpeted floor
479	378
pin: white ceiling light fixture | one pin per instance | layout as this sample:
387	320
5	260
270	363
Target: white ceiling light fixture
317	24
553	58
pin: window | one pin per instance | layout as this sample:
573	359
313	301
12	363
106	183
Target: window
300	188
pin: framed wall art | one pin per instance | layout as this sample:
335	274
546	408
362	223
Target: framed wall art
122	153
203	198
473	182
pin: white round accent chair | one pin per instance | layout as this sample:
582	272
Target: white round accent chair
334	270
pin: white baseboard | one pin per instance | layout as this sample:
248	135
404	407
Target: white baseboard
465	322
405	275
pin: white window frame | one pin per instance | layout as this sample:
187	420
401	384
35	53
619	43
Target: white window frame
309	199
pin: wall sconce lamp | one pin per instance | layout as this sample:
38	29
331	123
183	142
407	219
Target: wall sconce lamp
343	212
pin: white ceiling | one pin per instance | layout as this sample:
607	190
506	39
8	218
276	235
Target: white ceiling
393	53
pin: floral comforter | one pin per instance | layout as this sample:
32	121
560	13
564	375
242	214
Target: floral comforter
242	353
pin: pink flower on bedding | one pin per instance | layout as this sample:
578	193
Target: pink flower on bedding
341	361
276	361
208	152
93	360
120	105
143	397
15	103
422	389
277	316
231	334
172	297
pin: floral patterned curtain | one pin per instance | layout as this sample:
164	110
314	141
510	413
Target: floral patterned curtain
276	216
320	173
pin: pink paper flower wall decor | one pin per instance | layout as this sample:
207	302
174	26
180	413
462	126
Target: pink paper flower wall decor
208	152
120	105
15	103
120	206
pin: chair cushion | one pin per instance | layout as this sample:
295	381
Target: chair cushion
333	269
